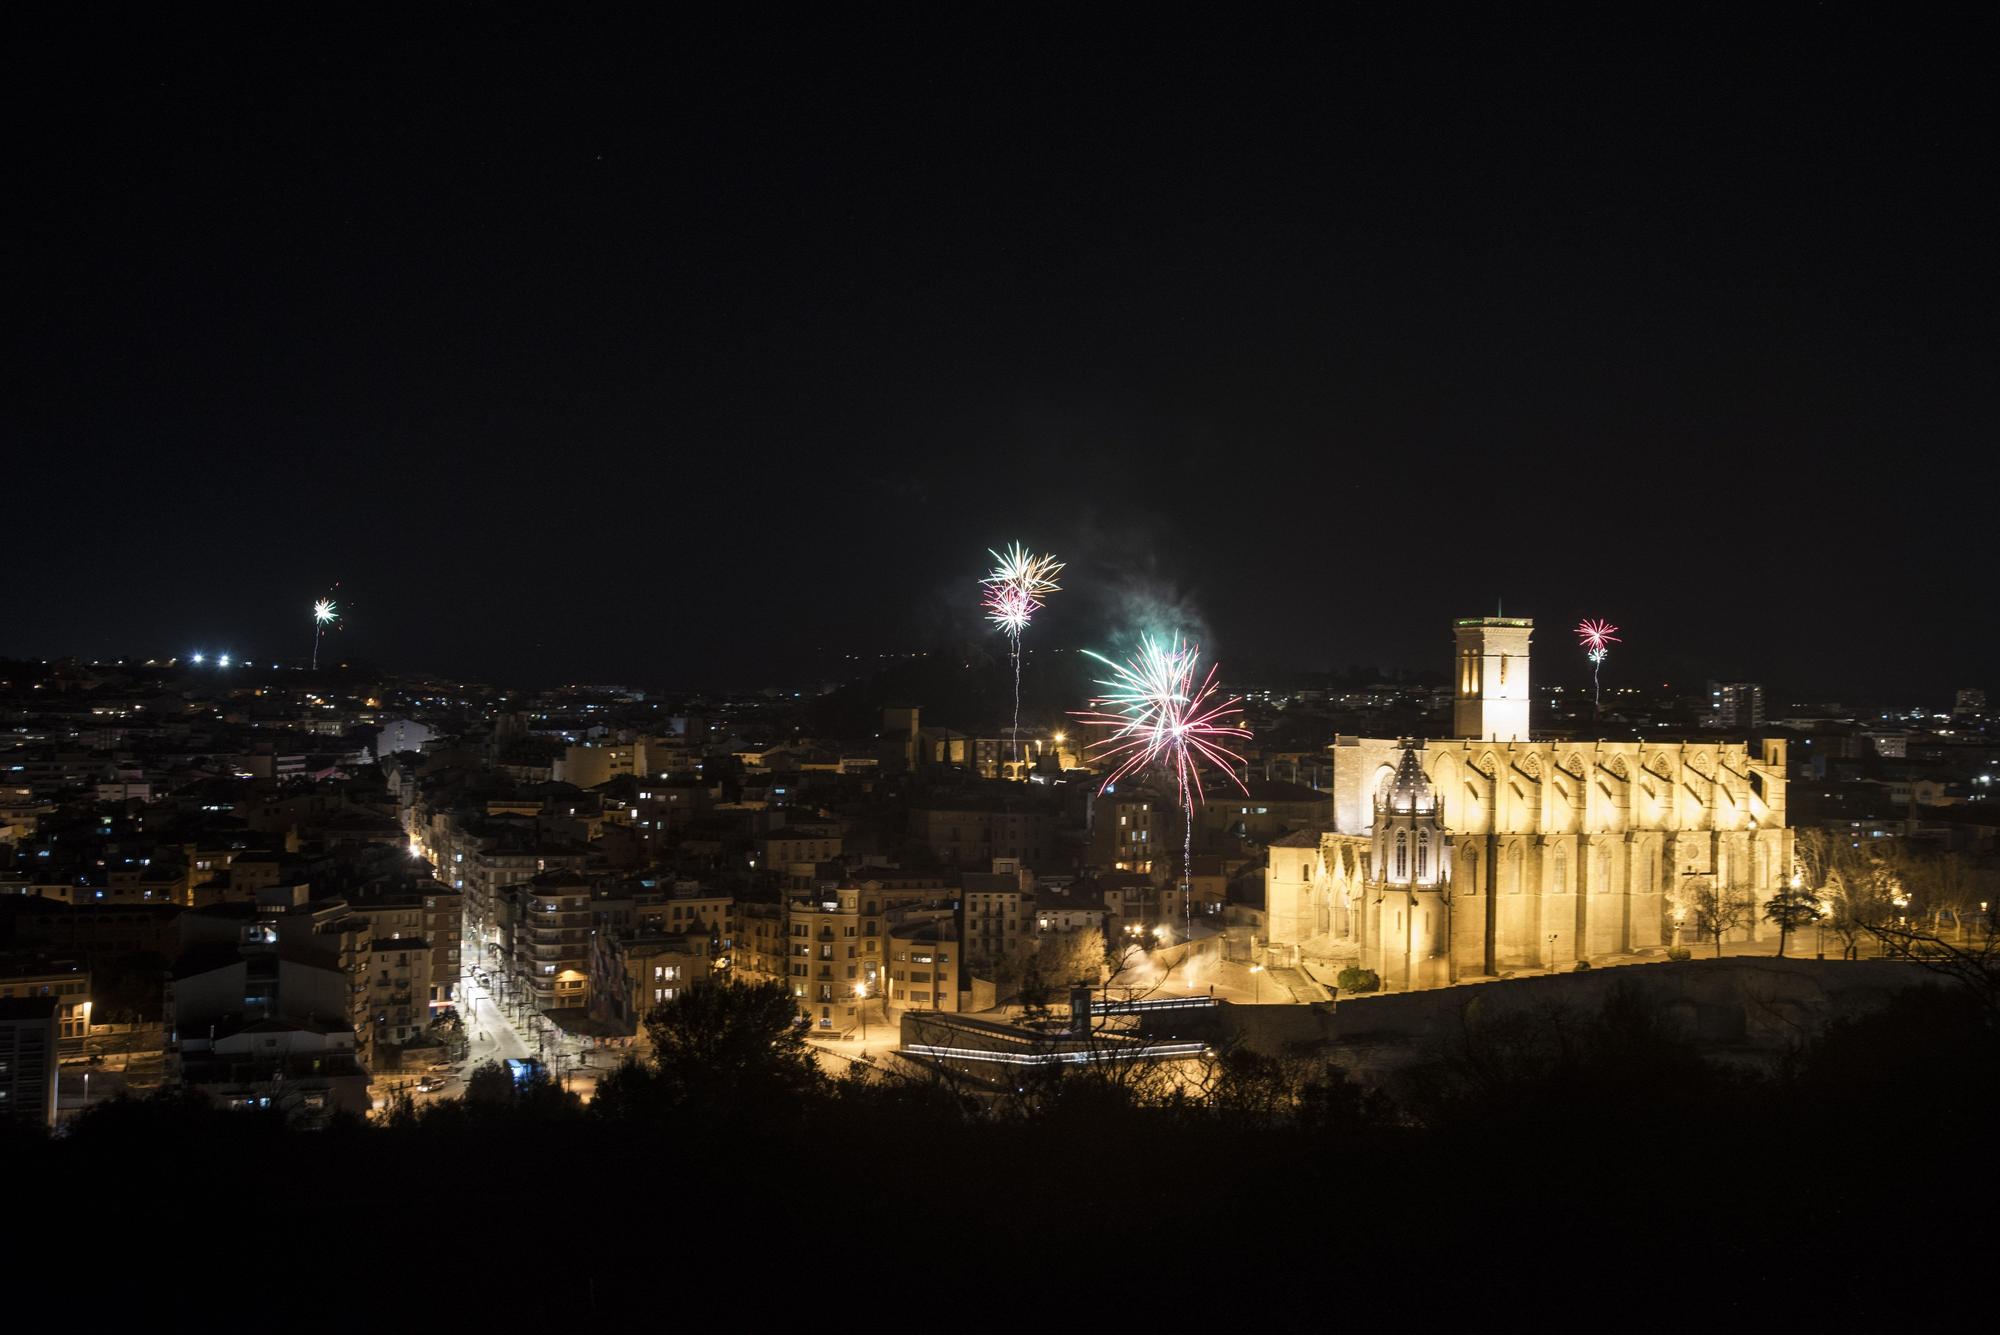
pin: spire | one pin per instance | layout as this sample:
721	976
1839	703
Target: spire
1407	790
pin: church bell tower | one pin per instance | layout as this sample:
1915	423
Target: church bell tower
1491	702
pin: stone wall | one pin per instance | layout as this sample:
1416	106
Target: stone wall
1749	1008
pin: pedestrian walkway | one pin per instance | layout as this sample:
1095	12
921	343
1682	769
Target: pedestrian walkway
491	1035
1298	987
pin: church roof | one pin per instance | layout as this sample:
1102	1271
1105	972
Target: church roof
1407	789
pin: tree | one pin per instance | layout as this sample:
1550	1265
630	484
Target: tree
1939	886
128	989
1790	909
1013	967
1715	911
1333	1101
1056	962
1250	1089
626	1091
1816	853
1034	990
493	1086
1853	904
489	1083
1975	965
1067	958
731	1039
1853	885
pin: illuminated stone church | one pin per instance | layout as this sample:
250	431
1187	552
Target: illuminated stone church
1491	851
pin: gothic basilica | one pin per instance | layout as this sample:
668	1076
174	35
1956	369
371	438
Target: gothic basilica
1494	851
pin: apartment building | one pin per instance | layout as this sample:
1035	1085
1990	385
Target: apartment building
28	1060
1127	829
797	854
925	964
432	914
632	975
691	910
483	860
396	972
763	942
66	981
836	953
998	915
547	925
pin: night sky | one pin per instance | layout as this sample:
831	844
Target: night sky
676	356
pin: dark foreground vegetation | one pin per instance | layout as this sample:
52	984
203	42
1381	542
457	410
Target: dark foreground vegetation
1571	1172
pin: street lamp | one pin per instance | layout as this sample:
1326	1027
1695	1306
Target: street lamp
1552	951
1257	981
861	1004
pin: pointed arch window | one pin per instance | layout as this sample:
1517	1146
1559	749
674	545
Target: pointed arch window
1424	856
1402	856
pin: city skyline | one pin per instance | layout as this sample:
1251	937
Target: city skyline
770	665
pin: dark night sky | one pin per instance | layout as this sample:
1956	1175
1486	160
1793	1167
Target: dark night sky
589	353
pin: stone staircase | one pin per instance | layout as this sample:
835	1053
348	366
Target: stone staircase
1303	989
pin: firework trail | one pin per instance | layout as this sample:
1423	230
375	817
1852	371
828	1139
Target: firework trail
1596	638
1159	717
1016	589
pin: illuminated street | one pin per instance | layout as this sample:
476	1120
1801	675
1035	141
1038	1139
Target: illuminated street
491	1036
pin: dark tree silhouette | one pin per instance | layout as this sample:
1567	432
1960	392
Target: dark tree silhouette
1716	912
732	1038
1791	909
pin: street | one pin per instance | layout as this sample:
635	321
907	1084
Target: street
490	1036
573	1062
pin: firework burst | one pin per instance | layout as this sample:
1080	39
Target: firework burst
1017	588
1159	718
1008	608
1595	635
1596	639
326	613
